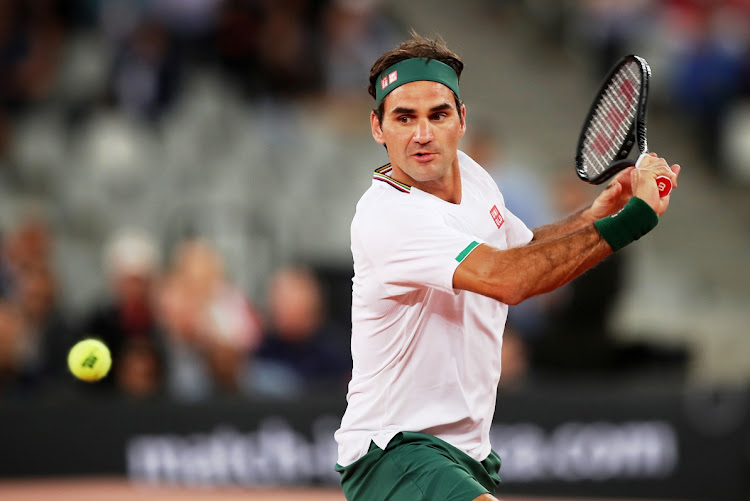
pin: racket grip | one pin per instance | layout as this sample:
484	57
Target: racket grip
640	157
662	182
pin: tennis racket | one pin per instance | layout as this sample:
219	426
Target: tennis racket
616	122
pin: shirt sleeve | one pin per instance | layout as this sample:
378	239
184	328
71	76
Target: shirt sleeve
412	248
518	233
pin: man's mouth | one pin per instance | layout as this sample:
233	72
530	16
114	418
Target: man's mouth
423	155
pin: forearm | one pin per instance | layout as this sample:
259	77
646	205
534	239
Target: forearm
545	265
571	224
513	275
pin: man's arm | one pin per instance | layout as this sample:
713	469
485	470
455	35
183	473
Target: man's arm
561	252
609	201
571	224
513	275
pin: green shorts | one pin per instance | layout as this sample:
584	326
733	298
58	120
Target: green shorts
417	466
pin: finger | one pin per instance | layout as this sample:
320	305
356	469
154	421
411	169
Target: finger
623	176
675	170
658	164
664	169
626	171
613	190
648	162
663	204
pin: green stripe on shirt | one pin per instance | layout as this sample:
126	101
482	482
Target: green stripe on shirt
466	251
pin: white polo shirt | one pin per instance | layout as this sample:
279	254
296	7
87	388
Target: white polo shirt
426	356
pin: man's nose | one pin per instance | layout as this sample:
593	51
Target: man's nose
423	133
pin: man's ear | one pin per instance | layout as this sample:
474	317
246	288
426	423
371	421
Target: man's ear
463	120
376	128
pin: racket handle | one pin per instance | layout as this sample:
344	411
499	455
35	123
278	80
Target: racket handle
662	182
640	157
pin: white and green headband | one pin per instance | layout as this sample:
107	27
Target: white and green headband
413	70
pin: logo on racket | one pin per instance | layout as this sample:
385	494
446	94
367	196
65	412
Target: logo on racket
614	117
665	185
496	216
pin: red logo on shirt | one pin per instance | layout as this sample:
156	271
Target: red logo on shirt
496	216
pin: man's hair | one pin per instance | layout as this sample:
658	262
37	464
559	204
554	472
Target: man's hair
417	47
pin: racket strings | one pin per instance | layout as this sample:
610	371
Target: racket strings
610	125
612	120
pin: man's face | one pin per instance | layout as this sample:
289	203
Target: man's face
421	128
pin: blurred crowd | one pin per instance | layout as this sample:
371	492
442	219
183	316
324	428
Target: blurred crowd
285	49
180	325
177	313
179	328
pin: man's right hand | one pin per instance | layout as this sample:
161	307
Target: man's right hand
644	185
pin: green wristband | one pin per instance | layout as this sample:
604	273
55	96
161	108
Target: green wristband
629	224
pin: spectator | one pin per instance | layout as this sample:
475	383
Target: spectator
126	317
147	72
31	42
236	43
46	335
36	329
289	48
139	370
272	49
211	324
11	330
300	351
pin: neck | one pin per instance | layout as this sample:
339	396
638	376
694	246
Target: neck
447	187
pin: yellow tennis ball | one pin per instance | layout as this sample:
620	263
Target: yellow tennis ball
89	360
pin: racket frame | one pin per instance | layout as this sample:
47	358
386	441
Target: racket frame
636	134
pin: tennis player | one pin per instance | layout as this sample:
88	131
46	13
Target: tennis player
437	260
